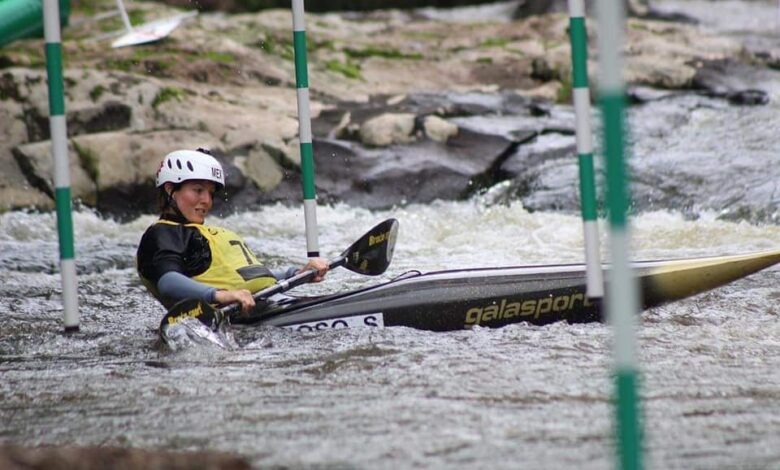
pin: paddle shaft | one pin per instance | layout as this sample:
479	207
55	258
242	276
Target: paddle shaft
285	284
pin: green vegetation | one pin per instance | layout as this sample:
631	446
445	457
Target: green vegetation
124	65
96	93
425	35
373	51
326	44
143	60
348	69
88	160
495	42
116	23
485	60
91	7
552	44
141	53
274	46
637	26
167	94
24	55
221	57
565	91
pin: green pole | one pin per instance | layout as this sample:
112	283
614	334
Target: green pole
581	98
622	295
59	146
304	130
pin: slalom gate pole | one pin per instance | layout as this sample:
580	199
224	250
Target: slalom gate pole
622	296
125	19
581	98
59	145
304	130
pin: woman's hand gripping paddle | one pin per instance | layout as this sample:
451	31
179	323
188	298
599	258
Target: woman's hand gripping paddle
370	255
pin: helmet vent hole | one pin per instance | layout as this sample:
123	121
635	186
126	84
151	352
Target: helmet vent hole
169	164
178	164
189	165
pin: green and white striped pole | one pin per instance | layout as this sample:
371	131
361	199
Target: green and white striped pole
59	146
622	295
304	130
581	97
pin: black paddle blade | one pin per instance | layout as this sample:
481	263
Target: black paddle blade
193	308
371	255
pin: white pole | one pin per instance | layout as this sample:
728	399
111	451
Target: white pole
125	18
59	146
623	291
581	97
304	130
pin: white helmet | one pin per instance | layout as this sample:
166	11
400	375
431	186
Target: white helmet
183	165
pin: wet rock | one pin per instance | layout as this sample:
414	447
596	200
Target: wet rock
15	189
387	129
543	173
108	116
537	7
261	168
739	83
475	98
99	458
438	129
399	174
36	163
748	97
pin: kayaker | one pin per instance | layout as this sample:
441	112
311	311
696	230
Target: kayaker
179	257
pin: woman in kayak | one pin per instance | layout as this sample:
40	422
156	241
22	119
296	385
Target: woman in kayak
179	257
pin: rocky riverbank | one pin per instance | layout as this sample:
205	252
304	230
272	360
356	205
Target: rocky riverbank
99	458
393	94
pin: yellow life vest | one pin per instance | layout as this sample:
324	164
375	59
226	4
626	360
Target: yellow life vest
233	265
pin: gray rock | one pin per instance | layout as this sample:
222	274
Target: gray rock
99	458
234	92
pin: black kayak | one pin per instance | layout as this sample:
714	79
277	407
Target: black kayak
494	297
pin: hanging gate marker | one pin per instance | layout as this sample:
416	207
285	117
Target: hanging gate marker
147	32
581	97
304	129
622	298
59	144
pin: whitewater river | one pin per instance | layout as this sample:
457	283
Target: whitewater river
515	397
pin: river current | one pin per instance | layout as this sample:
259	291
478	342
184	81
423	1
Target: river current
515	397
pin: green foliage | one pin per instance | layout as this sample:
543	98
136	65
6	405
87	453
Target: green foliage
136	17
91	7
495	42
96	93
124	65
327	44
167	94
221	57
274	46
485	60
116	24
374	51
141	53
565	91
348	69
89	161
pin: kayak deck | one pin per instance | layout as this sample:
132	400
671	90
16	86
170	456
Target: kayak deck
494	297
